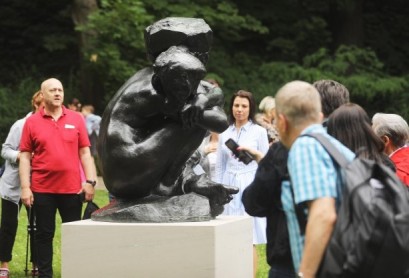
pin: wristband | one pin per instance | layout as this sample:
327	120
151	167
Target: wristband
91	182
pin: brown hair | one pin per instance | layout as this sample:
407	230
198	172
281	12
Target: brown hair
351	125
36	101
252	104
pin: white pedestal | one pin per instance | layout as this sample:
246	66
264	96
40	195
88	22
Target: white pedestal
217	248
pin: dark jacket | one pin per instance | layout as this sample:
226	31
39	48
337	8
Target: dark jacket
262	198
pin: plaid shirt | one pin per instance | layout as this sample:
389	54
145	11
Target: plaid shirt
313	175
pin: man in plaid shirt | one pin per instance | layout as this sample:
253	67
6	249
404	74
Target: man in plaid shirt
314	177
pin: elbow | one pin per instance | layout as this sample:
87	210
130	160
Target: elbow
328	218
331	218
323	213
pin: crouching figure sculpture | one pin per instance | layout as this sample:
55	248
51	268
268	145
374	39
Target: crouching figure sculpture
152	127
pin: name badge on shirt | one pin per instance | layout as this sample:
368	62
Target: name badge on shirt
69	126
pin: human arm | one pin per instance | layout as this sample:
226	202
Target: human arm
320	224
90	172
264	194
25	170
9	149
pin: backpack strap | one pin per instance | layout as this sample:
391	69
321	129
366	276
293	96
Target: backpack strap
336	155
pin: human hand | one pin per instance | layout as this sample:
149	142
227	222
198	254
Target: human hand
257	155
27	196
88	190
210	149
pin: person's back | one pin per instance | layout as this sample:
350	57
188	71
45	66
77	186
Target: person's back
314	178
262	198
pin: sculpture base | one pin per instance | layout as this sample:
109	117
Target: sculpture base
156	209
218	248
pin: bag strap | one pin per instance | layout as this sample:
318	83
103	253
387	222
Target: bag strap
338	157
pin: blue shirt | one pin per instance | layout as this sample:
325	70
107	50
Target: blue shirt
313	176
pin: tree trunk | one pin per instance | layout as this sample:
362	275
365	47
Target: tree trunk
81	9
347	22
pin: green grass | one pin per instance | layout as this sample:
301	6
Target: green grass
17	265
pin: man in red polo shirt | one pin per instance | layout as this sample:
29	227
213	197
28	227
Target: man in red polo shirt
53	142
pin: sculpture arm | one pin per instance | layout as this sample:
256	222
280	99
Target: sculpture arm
205	111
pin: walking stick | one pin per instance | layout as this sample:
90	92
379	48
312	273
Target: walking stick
28	239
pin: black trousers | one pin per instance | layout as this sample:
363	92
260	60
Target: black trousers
45	206
8	230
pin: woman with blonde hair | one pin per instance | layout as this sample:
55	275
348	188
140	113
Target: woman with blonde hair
266	118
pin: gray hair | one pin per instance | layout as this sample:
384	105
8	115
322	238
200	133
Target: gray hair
393	126
300	102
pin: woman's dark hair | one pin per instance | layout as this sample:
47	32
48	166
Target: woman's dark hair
252	105
351	125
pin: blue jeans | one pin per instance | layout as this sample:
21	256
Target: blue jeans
279	271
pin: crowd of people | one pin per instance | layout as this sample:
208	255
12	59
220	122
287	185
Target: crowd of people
50	163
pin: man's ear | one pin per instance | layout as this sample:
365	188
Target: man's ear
321	116
281	122
385	139
389	148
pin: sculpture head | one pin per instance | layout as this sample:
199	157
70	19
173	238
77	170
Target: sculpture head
177	74
193	33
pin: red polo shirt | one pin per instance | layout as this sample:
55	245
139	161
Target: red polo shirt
55	146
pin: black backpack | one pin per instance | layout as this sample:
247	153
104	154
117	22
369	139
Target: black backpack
371	235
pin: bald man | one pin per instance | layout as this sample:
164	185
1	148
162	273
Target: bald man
53	142
314	178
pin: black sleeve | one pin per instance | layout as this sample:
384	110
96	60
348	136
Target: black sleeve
264	193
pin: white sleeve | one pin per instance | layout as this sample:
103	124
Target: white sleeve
220	160
9	150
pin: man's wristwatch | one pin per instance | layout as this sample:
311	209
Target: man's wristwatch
91	182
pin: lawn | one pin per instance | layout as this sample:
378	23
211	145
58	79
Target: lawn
17	266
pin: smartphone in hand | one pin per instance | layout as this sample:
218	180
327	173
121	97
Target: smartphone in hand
242	155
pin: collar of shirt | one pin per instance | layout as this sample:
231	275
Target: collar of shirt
315	128
244	127
43	114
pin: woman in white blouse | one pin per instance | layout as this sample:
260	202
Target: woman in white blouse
229	170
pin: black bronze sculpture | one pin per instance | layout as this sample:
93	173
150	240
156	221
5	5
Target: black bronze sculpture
152	127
